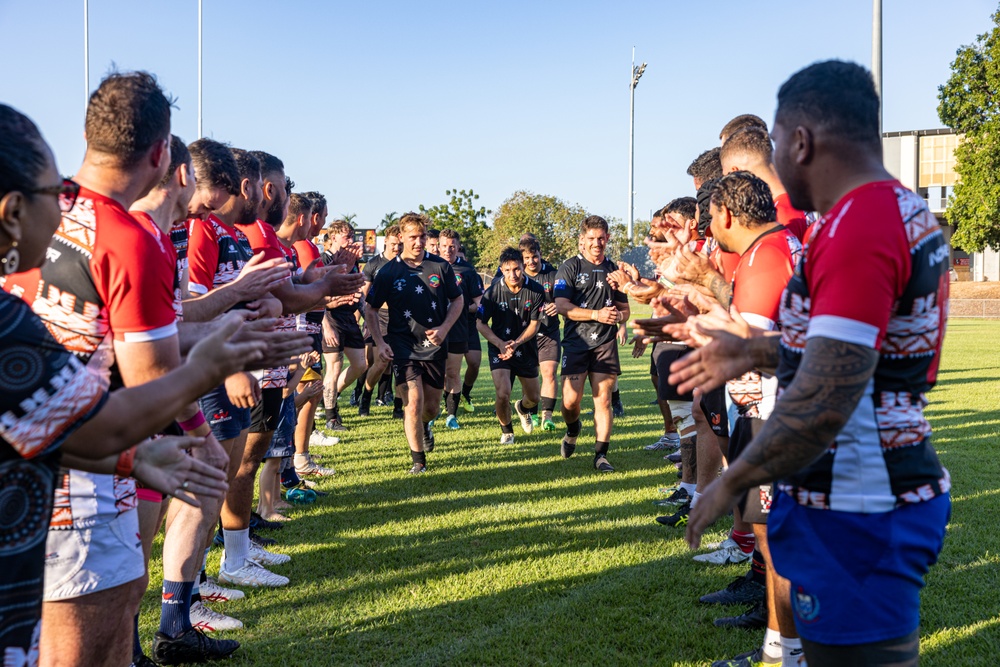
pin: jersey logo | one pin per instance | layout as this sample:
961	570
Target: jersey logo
527	306
582	279
458	279
806	605
400	284
560	284
548	286
434	280
481	309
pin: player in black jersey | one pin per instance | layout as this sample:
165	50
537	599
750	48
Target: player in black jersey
458	337
544	274
593	309
378	374
508	319
424	302
474	355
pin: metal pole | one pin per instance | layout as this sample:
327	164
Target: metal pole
86	54
877	56
631	144
199	69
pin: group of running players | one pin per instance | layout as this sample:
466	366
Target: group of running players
183	297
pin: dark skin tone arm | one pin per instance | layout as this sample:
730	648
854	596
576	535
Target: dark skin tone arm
827	387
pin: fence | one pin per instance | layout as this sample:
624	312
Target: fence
978	308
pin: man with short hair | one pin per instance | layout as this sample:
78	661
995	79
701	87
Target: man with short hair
861	331
593	309
547	338
746	121
378	374
424	301
508	319
750	150
458	338
705	167
342	335
433	241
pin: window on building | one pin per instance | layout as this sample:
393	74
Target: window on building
937	162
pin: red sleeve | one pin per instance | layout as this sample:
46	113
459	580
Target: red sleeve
307	253
725	262
261	242
759	284
136	282
857	266
203	257
798	226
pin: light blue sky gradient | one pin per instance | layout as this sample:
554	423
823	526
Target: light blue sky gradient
384	105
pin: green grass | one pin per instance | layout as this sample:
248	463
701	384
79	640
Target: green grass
514	556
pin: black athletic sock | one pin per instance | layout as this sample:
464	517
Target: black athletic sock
601	449
616	396
397	404
573	428
418	457
359	386
533	410
451	403
384	385
548	404
136	642
507	428
758	568
467	391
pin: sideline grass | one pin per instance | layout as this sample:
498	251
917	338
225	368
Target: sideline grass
514	556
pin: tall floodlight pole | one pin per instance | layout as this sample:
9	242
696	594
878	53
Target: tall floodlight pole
877	56
86	53
199	69
636	74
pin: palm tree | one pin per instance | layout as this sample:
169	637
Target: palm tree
349	218
388	220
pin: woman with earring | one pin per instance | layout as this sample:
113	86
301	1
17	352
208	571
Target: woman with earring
52	405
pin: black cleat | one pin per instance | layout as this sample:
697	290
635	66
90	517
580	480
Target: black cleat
365	405
753	618
742	590
260	540
257	522
678	497
142	660
678	519
191	646
618	409
567	448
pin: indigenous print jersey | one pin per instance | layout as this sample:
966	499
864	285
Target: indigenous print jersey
260	237
179	239
508	314
216	254
547	326
45	394
472	288
874	273
418	299
586	286
792	218
307	252
758	283
107	278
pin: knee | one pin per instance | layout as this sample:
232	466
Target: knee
503	396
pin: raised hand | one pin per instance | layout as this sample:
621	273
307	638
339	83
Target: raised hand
220	354
260	276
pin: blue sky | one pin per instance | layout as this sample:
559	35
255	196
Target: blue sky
385	105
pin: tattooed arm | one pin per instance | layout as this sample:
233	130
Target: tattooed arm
721	288
827	387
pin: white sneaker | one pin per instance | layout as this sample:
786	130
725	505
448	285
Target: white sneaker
506	438
264	558
728	552
667	441
252	575
318	439
208	620
526	424
213	592
305	466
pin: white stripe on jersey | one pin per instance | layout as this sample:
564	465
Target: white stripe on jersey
151	335
859	479
842	329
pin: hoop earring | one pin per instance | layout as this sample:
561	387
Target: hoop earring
11	261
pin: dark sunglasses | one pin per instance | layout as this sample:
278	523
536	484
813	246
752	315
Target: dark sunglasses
66	192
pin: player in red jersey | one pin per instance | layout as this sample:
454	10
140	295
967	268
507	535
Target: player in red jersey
862	328
121	278
750	150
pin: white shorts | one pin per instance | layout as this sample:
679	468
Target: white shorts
81	561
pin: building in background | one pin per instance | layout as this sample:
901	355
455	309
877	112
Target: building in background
924	161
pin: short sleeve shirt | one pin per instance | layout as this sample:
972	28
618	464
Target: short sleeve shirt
47	393
546	277
307	252
107	278
508	313
418	299
586	286
874	273
472	288
216	254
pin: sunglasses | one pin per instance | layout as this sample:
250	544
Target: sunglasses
66	193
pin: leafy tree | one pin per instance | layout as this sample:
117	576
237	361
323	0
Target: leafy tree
462	215
970	106
555	223
348	218
388	220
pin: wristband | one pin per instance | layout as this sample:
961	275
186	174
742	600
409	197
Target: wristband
191	424
593	315
126	462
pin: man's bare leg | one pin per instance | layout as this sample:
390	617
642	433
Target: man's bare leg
93	629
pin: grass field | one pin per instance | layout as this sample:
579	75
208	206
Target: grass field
514	556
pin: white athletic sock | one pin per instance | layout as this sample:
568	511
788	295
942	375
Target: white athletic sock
689	487
772	644
791	652
237	548
694	499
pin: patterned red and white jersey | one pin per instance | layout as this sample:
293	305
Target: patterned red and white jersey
307	252
874	273
166	241
216	254
260	237
794	220
107	278
759	280
179	239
